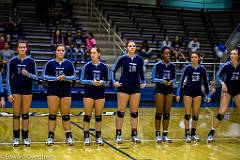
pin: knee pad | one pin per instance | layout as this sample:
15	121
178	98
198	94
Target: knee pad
66	117
16	116
98	118
166	116
87	118
158	116
195	118
52	117
220	116
134	114
120	114
25	116
187	117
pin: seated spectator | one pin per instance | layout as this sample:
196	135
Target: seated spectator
193	46
144	50
89	44
8	38
56	39
79	42
176	49
68	39
166	42
14	23
2	41
5	55
71	54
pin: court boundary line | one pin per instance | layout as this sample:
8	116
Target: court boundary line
110	145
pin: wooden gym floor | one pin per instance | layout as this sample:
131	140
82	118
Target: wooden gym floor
226	145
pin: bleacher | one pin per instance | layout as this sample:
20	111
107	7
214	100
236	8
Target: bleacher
131	21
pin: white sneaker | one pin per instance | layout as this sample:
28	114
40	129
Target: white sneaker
136	139
210	138
16	142
86	141
158	139
166	139
69	141
188	139
50	141
196	138
26	142
99	141
118	139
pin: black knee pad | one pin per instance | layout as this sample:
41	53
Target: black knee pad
187	117
16	116
166	116
98	118
25	116
220	116
120	114
87	118
195	118
66	117
134	114
158	116
52	117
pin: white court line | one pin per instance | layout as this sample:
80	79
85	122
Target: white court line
129	140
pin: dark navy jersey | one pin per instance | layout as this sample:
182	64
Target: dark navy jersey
131	71
162	71
54	68
92	72
15	79
229	74
193	78
1	86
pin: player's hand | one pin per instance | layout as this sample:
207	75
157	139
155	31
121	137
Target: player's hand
61	78
25	72
10	98
117	84
100	83
224	88
142	85
209	100
95	83
177	98
165	82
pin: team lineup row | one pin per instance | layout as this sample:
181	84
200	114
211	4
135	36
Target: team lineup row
59	73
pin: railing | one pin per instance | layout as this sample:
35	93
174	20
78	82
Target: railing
104	24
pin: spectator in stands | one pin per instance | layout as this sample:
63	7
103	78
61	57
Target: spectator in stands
89	44
166	42
193	46
57	39
79	42
8	38
5	55
68	39
14	23
176	49
145	51
2	41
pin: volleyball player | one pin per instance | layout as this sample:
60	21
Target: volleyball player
59	73
2	99
195	75
20	72
129	84
163	74
94	76
229	78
